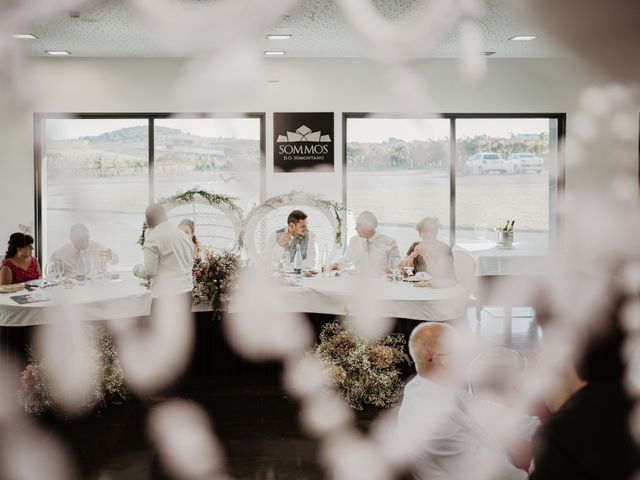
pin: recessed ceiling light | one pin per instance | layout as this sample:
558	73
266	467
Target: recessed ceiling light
25	36
57	53
274	53
279	36
488	54
523	38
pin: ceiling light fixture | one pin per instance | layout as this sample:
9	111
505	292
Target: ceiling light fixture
523	38
279	36
274	53
57	53
25	36
488	54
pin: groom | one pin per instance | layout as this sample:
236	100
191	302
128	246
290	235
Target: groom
287	239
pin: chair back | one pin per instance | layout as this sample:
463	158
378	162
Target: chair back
217	226
464	266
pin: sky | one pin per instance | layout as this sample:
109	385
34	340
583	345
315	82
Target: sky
375	130
247	128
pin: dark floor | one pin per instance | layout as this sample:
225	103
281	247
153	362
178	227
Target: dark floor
256	422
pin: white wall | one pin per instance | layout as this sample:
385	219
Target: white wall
338	85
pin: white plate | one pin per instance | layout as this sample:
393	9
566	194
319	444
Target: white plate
419	277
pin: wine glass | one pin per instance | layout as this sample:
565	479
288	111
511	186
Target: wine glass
285	261
59	270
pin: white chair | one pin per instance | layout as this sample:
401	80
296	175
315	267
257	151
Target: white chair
271	216
217	226
496	372
464	266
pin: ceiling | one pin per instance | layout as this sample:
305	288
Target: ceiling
110	28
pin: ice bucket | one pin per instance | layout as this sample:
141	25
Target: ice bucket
504	239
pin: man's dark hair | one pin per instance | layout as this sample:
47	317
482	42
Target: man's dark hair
155	215
295	216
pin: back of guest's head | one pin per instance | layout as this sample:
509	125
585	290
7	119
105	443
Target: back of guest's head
155	215
17	240
426	223
426	341
295	216
367	220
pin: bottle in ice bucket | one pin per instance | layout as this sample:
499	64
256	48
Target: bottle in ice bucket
297	261
81	276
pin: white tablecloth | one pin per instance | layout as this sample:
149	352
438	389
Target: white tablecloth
400	300
102	300
126	298
518	260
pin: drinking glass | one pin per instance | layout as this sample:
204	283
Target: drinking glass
285	261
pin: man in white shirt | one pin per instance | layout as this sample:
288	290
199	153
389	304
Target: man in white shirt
81	245
451	434
168	256
295	234
369	249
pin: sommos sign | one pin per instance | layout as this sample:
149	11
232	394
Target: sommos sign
303	141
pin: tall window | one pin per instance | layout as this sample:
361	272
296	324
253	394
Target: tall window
102	171
506	168
399	170
218	155
95	172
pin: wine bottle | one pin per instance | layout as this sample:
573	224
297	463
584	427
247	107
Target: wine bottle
510	228
506	226
297	261
83	268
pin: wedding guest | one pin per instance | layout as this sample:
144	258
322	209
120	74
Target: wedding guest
369	248
590	436
19	264
168	256
287	239
451	433
80	245
429	254
188	227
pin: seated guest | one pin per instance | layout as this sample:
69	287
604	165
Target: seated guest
589	436
19	264
287	239
81	245
168	257
369	248
451	432
188	227
430	255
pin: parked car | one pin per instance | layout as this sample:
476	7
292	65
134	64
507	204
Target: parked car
523	162
485	163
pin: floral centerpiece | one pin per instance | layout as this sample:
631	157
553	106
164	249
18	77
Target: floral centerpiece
213	278
364	372
35	393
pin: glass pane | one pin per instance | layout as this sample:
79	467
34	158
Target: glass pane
506	170
220	155
95	172
399	169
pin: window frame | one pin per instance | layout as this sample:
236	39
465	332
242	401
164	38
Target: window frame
39	130
561	118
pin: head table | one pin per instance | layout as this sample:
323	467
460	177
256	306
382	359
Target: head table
126	297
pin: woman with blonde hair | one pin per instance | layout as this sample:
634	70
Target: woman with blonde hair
430	255
188	227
